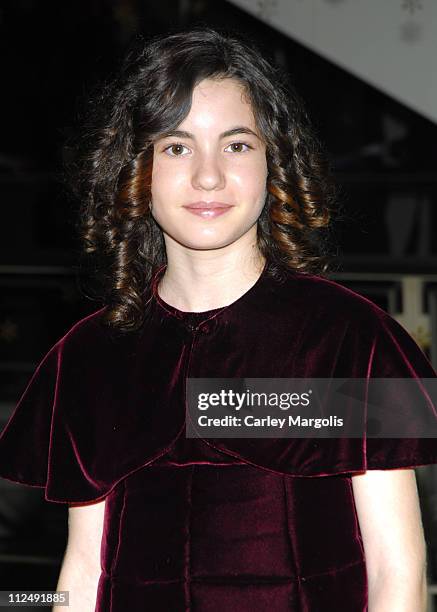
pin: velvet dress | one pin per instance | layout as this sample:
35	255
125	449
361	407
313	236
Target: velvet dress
214	525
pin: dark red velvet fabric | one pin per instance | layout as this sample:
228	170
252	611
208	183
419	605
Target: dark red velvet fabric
216	524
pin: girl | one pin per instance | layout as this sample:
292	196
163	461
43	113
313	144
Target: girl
204	188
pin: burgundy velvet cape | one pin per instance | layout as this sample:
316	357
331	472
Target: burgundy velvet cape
251	525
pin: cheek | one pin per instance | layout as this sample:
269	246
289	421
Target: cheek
160	176
165	179
252	179
156	180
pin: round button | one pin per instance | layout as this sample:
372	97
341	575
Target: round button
206	327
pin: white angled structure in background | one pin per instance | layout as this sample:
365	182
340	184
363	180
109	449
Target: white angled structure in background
390	44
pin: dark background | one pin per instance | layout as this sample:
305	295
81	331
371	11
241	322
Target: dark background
51	55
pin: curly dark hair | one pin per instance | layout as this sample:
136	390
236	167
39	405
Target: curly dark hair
112	166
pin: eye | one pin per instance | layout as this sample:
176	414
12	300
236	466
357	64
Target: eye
238	147
176	150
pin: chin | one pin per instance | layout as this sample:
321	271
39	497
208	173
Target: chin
206	243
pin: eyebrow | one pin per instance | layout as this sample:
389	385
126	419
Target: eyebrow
232	132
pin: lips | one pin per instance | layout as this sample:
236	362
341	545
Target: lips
208	210
207	205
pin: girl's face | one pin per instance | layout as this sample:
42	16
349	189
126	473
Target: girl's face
209	175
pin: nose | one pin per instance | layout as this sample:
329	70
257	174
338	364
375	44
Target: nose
208	173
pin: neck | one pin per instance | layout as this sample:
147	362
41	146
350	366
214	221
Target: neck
203	280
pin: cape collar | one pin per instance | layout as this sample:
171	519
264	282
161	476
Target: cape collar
251	296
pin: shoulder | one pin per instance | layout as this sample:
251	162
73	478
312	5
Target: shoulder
86	335
327	309
322	299
91	323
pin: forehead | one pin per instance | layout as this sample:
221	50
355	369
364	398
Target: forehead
219	102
